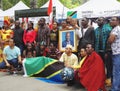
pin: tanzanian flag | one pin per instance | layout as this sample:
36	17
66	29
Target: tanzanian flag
43	68
72	14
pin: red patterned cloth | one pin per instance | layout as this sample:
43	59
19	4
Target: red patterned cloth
92	73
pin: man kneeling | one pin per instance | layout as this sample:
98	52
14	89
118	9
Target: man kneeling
12	56
92	71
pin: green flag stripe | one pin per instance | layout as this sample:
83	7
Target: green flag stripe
44	67
72	13
37	64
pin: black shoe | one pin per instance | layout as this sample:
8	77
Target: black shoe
19	68
70	83
10	72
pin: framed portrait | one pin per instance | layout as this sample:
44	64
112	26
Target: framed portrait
67	37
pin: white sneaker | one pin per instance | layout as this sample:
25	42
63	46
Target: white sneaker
15	73
25	75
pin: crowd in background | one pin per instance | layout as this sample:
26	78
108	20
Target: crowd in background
43	41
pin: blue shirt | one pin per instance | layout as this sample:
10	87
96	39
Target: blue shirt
65	43
11	53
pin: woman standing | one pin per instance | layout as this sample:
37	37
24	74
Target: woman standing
54	34
29	34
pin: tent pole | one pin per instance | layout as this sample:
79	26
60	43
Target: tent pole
63	11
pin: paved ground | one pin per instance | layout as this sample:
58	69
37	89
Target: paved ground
20	83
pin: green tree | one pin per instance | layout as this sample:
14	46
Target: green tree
71	3
6	4
13	1
27	2
41	2
9	3
68	3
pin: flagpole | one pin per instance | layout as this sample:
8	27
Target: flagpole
63	11
50	13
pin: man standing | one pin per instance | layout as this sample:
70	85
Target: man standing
18	36
12	55
114	39
43	34
101	36
87	33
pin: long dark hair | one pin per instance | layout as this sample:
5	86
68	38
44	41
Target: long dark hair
31	50
28	27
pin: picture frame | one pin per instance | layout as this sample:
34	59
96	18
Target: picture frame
65	35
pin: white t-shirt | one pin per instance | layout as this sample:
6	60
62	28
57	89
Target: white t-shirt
84	30
116	44
78	32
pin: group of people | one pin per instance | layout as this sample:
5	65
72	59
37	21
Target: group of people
98	48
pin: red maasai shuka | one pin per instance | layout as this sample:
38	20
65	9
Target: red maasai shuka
92	73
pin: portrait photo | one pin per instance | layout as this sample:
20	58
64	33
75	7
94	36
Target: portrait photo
67	37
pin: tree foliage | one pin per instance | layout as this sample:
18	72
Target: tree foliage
6	4
68	3
9	3
41	2
71	3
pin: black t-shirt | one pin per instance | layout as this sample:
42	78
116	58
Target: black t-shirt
18	36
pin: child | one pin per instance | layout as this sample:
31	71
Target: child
41	49
29	52
54	52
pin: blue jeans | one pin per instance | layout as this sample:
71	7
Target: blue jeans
13	62
2	65
116	73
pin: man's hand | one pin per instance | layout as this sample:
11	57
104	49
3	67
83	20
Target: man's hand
19	59
20	62
7	64
66	65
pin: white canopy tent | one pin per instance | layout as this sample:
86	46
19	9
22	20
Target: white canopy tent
1	19
98	8
11	12
61	10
